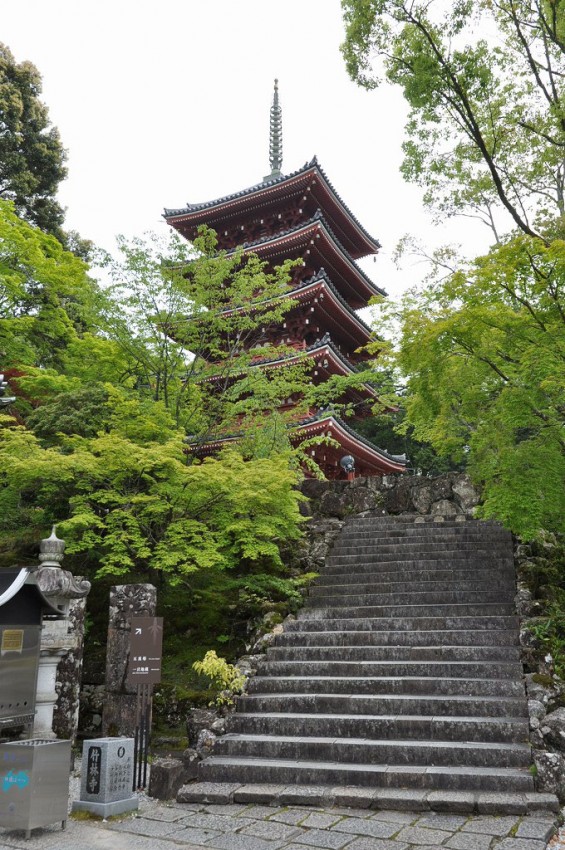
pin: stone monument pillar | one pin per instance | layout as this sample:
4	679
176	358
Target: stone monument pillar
120	705
60	657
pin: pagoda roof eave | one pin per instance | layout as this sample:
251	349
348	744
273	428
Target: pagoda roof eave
361	449
320	348
270	245
320	282
270	189
354	443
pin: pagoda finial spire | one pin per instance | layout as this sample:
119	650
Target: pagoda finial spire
275	136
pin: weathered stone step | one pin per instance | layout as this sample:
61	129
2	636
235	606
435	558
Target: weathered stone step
431	581
448	539
344	563
402	671
369	751
437	705
419	597
390	685
440	530
326	796
401	624
407	611
416	727
374	669
394	653
433	546
426	559
392	776
396	638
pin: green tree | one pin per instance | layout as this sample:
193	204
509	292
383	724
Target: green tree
484	83
482	344
484	350
195	322
47	300
190	318
32	158
128	500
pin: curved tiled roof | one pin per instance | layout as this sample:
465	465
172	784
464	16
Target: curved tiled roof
322	274
317	217
324	342
266	184
398	459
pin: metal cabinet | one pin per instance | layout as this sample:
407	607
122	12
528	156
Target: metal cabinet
34	783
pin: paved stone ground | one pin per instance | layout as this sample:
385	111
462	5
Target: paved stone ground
161	826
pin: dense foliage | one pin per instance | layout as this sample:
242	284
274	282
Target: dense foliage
32	158
107	391
484	351
484	83
482	344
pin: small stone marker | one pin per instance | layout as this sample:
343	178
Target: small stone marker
107	777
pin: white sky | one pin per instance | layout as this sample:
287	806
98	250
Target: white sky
159	104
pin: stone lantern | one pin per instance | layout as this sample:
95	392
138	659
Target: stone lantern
60	658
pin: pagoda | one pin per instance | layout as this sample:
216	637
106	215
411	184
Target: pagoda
300	216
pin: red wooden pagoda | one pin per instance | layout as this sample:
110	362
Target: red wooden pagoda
302	216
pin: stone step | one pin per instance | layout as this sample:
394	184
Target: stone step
369	751
418	597
226	769
413	727
388	685
401	672
394	653
451	705
401	624
448	558
447	539
416	530
397	638
374	669
407	612
428	561
431	546
431	581
419	800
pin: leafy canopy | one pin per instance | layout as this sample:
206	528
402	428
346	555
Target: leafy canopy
32	158
106	390
484	83
484	351
138	507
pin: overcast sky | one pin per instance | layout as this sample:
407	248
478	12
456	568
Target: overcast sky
160	104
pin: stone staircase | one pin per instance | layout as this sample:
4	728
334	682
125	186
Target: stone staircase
401	672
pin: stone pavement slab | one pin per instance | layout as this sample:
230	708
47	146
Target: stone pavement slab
377	844
540	829
321	820
220	826
325	838
469	841
272	830
357	826
499	826
422	836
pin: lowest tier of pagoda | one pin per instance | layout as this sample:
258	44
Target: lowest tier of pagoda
300	216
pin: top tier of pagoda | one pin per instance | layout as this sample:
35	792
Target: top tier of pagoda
301	216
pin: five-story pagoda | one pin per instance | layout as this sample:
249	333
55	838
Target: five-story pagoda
300	216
